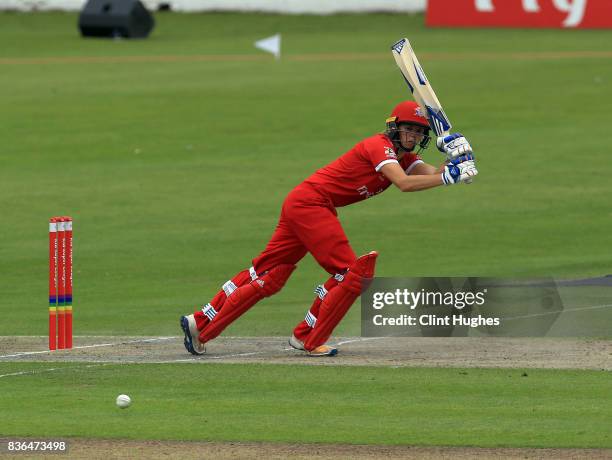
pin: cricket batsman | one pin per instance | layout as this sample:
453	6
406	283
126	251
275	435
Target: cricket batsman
309	223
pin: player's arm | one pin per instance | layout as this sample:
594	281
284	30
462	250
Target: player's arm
460	169
424	169
412	183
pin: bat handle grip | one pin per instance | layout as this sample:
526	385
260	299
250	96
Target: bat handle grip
441	135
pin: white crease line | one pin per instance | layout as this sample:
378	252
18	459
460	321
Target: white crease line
155	339
343	342
25	353
207	357
362	339
120	362
98	345
32	372
86	336
238	354
556	312
53	369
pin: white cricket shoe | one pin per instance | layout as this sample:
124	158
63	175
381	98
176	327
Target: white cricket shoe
296	343
192	342
322	350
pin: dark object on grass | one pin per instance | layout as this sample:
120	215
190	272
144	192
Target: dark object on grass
115	19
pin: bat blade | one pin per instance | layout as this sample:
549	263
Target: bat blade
417	81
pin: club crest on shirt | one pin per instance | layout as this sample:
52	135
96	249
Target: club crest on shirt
390	153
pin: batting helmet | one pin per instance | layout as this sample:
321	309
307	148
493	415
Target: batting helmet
407	112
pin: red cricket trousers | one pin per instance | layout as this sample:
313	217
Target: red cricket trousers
308	223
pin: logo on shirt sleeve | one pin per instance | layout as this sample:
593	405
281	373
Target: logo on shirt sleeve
390	153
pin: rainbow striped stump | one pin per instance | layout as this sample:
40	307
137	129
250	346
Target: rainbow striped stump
60	282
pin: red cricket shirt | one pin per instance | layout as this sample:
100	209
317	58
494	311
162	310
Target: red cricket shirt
356	176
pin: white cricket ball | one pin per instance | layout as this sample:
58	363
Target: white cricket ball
123	401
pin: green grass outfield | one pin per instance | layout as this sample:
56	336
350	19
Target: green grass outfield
173	155
175	171
354	405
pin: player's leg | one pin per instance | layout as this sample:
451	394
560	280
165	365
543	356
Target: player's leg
243	298
338	300
272	269
207	312
193	324
283	249
305	326
320	231
322	234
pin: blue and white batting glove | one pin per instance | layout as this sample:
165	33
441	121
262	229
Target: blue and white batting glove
461	169
453	145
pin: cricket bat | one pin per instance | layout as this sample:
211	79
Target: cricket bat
420	88
423	93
